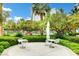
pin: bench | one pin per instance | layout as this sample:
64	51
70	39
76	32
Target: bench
22	42
50	41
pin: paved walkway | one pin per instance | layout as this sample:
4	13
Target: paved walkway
38	49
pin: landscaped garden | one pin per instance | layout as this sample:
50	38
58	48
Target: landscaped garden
62	25
71	43
7	41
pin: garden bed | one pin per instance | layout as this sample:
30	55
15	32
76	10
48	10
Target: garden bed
35	38
7	41
72	45
72	38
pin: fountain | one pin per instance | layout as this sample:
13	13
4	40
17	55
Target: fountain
48	31
48	34
48	40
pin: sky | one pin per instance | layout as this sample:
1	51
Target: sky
66	6
18	10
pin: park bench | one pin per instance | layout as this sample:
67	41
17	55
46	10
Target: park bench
50	41
22	42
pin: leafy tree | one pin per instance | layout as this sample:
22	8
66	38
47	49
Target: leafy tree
5	15
31	25
21	24
75	17
60	23
10	25
41	25
73	22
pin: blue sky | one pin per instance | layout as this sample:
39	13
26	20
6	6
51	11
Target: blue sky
66	6
24	9
19	9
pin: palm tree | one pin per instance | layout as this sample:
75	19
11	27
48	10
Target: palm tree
40	9
1	20
5	14
75	14
61	10
75	10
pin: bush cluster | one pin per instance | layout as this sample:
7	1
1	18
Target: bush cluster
1	49
5	44
7	41
11	40
72	45
18	34
72	38
35	38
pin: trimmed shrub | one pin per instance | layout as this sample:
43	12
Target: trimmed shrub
72	38
5	44
11	40
35	38
73	34
1	49
18	34
72	45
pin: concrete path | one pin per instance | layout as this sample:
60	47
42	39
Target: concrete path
38	49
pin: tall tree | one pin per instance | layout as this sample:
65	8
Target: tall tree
75	10
21	24
58	23
62	24
1	20
74	22
40	9
10	25
74	15
5	15
61	10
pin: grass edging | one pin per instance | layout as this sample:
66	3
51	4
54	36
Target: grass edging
72	45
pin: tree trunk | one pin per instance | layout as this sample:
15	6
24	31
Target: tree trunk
1	30
41	16
32	15
1	20
42	32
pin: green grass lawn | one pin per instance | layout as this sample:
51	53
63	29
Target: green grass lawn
72	45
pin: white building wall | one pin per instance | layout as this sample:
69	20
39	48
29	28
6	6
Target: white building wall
36	18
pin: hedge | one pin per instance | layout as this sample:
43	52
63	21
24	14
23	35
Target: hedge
35	38
72	38
72	45
1	49
11	40
17	34
5	44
